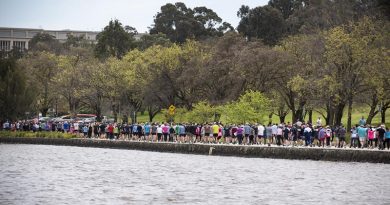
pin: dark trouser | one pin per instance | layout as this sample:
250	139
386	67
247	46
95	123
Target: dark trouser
278	140
341	141
371	142
328	141
239	137
307	140
171	137
251	137
159	136
165	137
381	143
386	142
354	142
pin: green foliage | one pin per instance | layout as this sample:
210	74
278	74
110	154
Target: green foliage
203	112
180	23
251	107
114	41
37	134
45	42
16	97
264	22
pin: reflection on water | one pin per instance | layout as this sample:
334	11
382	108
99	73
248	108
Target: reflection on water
42	174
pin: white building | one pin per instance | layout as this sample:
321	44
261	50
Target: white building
11	38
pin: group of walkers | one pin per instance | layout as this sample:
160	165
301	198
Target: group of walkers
297	134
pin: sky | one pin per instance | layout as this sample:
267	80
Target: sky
94	15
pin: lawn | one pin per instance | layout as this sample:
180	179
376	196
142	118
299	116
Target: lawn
357	113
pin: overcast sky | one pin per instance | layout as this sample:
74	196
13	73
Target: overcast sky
93	15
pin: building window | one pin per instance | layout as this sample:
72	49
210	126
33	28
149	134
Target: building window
5	45
19	45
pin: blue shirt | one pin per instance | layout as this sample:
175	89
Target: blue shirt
182	130
387	135
135	128
362	132
147	129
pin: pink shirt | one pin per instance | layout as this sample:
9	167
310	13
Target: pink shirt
165	129
371	134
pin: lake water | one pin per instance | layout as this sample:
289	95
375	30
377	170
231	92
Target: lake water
42	174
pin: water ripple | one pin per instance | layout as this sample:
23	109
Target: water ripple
40	174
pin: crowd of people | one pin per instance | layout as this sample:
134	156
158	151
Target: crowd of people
284	134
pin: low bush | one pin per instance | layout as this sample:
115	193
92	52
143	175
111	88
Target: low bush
37	134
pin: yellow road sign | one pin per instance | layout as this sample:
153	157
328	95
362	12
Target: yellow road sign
171	110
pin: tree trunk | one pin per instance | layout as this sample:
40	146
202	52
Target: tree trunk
310	116
282	118
153	112
44	111
373	110
349	122
270	118
383	115
383	112
329	114
339	113
282	115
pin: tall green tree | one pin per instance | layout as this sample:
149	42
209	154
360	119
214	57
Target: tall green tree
114	41
42	68
16	97
179	23
263	22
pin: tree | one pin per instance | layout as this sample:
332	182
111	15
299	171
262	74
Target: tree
114	41
42	68
45	42
16	97
286	7
353	57
180	23
68	80
203	112
299	60
251	107
263	22
147	41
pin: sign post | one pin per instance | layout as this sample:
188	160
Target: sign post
171	112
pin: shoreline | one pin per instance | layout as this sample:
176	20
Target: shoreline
255	151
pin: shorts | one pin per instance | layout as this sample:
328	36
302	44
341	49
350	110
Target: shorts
182	135
215	135
246	135
260	136
341	138
362	138
206	134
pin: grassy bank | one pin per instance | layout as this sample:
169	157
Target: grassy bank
37	134
357	113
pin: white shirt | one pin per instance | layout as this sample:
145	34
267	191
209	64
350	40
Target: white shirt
319	123
260	130
274	129
159	130
279	131
307	129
